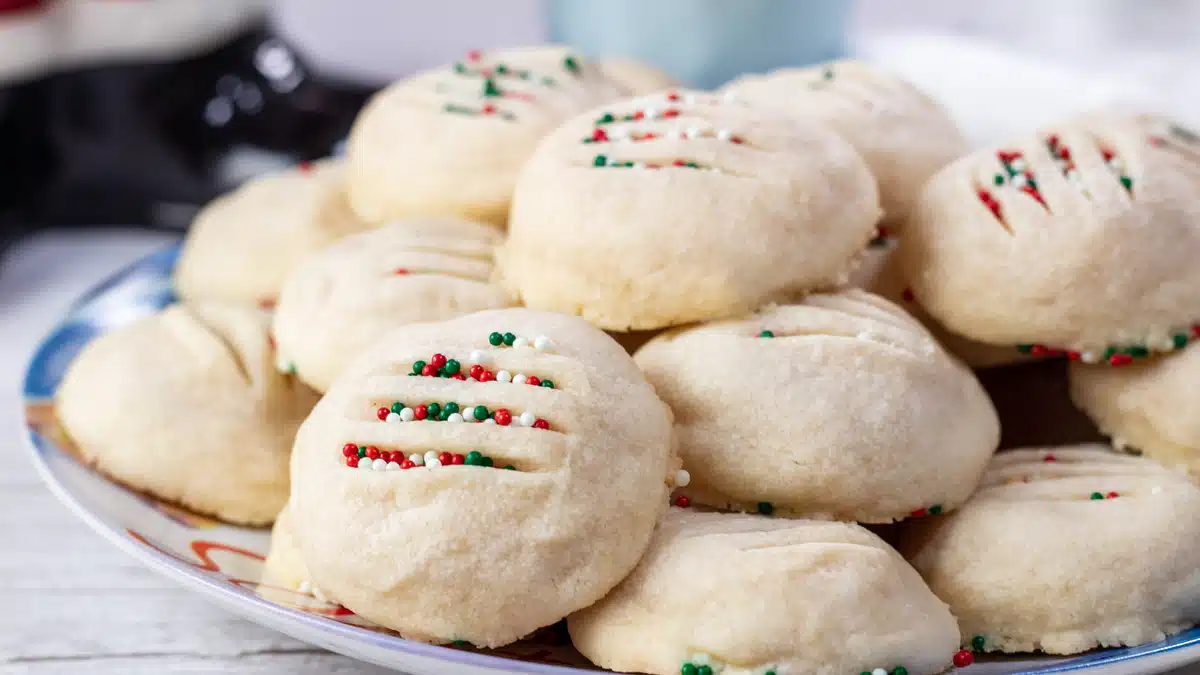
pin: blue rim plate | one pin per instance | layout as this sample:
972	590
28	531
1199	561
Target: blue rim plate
223	563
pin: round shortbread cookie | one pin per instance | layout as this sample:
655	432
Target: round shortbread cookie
682	207
450	141
187	405
1067	549
748	595
421	525
338	302
904	136
241	246
1081	239
1148	406
284	567
839	407
637	78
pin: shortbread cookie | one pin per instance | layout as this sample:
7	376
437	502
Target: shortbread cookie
187	405
1149	407
334	305
516	479
635	77
284	567
681	207
1081	240
1067	549
903	135
839	407
747	595
242	245
451	141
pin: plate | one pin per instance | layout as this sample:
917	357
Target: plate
223	563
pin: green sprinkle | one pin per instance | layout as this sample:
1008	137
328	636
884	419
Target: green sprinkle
769	672
445	415
433	409
362	451
509	339
487	461
480	413
998	179
461	643
1025	349
766	334
687	669
501	68
474	458
1180	341
549	81
599	160
827	73
453	366
549	384
571	64
900	670
1097	495
766	508
704	670
1109	352
460	67
397	407
978	642
418	367
1138	352
692	165
510	467
495	339
451	407
523	74
1127	182
865	672
935	509
442	372
588	140
490	89
606	118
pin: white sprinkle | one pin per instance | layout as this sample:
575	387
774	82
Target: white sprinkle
489	421
713	169
1073	176
282	364
672	135
520	342
619	134
689	98
364	464
542	342
1017	165
431	459
682	478
305	587
379	464
392	417
519	379
478	356
650	113
879	671
724	135
504	376
730	96
1116	163
692	132
417	458
527	419
407	415
392	466
1020	181
700	659
1164	343
1089	357
636	165
454	417
319	594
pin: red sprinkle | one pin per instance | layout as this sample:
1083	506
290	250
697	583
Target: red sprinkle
639	115
489	109
1112	495
382	413
1107	154
908	295
477	371
1049	458
397	457
599	136
352	462
648	136
1196	330
372	452
488	376
533	380
679	162
1065	154
682	501
672	96
407	464
1074	356
541	424
1038	350
458	376
1120	359
421	412
445	458
438	361
400	271
737	140
668	114
350	450
305	167
919	513
502	417
457	459
429	370
474	55
963	658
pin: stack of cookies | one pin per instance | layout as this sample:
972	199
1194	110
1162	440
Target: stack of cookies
803	264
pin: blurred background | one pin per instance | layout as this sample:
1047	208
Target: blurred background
134	113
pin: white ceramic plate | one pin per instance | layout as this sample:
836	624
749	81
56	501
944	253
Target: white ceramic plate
223	563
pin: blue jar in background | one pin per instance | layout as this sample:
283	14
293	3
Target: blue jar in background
704	43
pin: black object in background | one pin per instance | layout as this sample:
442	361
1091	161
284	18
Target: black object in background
147	144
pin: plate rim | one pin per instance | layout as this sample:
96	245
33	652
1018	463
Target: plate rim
294	622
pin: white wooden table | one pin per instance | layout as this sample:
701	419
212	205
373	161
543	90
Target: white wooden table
70	602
